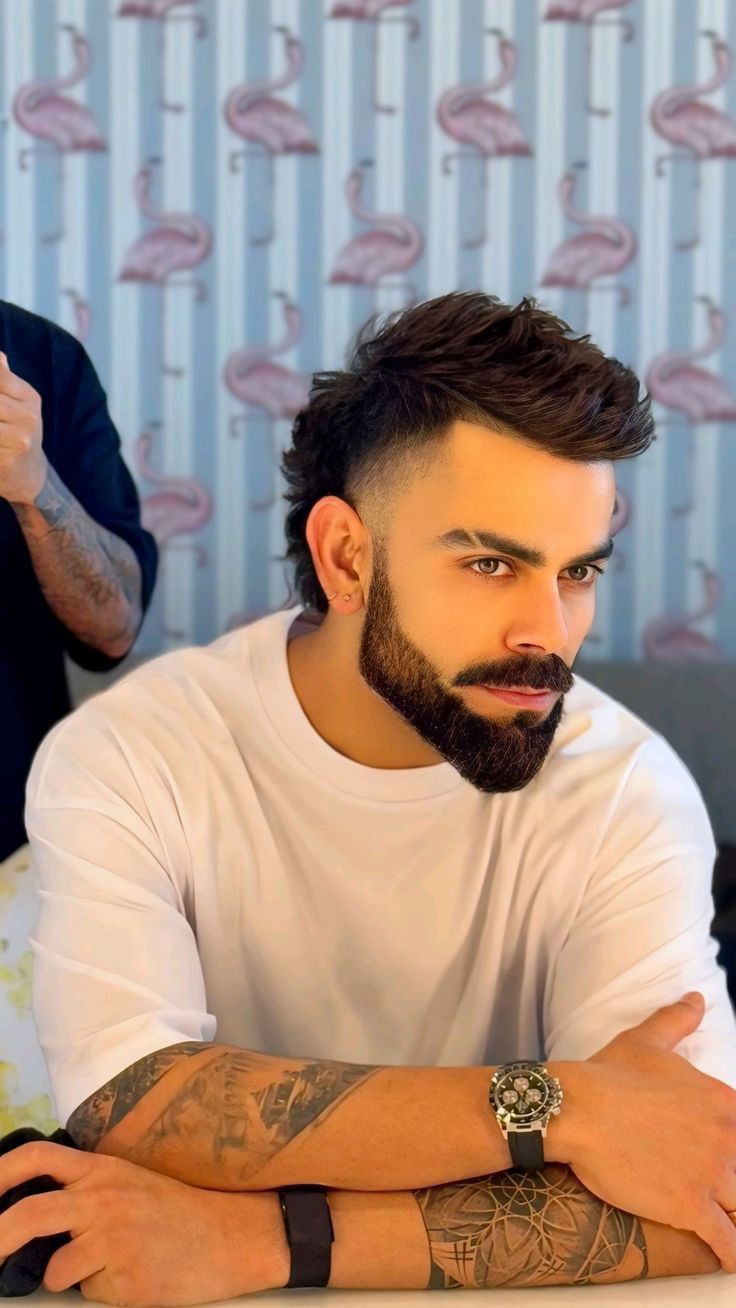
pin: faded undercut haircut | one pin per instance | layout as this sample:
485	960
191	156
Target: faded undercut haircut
366	430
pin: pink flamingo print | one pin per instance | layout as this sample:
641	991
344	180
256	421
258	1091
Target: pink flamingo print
184	506
671	639
369	257
279	391
586	11
372	11
183	242
82	315
579	259
160	9
698	394
181	507
706	132
493	130
61	123
273	124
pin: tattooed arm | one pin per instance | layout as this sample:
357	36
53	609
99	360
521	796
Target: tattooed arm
221	1118
213	1115
89	576
511	1229
225	1118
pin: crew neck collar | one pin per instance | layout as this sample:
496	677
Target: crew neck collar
267	642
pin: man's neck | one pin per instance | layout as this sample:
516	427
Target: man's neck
344	711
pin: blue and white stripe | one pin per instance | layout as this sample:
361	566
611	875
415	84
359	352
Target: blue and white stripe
232	474
312	223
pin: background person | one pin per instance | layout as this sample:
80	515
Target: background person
78	568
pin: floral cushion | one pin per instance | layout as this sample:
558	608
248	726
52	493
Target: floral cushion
25	1093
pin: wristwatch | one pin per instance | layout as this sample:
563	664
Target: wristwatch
524	1096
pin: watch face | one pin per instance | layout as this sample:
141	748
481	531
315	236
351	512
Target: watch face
522	1094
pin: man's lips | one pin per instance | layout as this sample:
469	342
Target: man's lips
520	690
539	699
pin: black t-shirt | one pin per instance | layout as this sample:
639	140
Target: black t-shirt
83	447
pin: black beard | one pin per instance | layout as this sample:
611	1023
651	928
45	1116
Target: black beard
492	756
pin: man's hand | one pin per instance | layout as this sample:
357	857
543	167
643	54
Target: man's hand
23	464
654	1135
140	1238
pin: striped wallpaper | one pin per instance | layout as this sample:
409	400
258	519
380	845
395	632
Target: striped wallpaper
577	123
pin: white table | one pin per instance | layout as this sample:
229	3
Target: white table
716	1290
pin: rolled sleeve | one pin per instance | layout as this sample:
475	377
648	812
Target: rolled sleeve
641	938
116	974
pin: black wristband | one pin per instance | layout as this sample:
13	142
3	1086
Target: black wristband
309	1232
526	1149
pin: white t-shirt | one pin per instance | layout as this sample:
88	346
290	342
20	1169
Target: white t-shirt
210	868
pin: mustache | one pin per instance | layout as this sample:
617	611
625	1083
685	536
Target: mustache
559	680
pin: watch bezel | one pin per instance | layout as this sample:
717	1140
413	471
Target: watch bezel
506	1112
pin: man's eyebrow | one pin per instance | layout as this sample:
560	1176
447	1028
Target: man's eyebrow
460	538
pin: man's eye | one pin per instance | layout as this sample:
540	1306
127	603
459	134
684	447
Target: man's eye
491	576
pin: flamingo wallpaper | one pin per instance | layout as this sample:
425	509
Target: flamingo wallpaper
214	194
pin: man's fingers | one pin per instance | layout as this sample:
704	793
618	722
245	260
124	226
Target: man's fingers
13	408
51	1213
719	1232
42	1158
6	372
10	384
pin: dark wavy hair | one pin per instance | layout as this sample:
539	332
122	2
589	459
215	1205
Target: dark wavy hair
384	419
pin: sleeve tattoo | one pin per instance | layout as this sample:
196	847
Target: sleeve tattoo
90	577
510	1228
239	1098
518	1228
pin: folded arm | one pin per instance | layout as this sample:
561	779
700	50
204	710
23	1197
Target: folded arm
505	1230
226	1118
511	1229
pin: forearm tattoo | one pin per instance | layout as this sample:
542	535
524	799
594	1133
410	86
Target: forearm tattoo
241	1103
101	1111
90	578
517	1228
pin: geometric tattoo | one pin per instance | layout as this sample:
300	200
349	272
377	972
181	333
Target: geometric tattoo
518	1228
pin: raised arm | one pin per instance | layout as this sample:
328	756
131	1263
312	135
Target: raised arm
90	578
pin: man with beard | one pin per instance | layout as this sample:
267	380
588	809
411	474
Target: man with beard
386	849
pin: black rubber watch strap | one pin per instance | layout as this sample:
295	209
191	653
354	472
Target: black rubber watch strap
526	1149
310	1234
